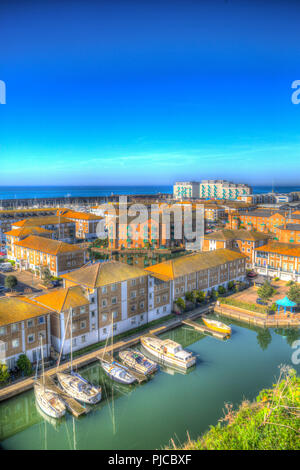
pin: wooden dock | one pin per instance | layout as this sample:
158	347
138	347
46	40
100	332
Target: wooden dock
204	329
253	318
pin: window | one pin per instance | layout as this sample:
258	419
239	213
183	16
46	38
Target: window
42	334
83	339
15	343
133	294
14	328
74	342
114	300
142	317
104	317
133	308
133	282
82	309
82	325
30	323
104	290
133	321
41	320
115	314
30	339
104	331
93	326
93	314
104	303
113	287
142	304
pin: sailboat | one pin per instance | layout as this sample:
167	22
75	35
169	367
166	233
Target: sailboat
49	402
113	369
75	385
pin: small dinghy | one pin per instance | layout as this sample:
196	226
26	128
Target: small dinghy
137	361
217	325
79	388
50	403
117	373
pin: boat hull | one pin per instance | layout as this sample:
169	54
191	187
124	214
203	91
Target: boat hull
217	326
114	373
164	359
130	359
43	401
64	381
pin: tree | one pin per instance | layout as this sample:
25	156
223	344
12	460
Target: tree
180	303
221	290
24	364
230	285
266	291
200	296
4	373
11	282
189	296
294	293
264	338
46	275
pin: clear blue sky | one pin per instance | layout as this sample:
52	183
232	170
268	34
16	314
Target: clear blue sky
149	92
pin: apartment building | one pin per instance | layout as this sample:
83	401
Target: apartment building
156	231
260	220
222	189
288	233
186	190
9	217
16	235
63	229
202	271
85	223
279	260
72	310
118	293
243	241
22	322
35	252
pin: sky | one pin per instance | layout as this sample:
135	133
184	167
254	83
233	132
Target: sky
149	92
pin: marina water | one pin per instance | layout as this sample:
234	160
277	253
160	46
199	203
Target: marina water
147	416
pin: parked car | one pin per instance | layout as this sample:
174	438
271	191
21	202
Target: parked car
260	302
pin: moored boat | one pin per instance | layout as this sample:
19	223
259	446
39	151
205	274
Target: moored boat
117	373
168	351
137	361
79	388
217	325
50	403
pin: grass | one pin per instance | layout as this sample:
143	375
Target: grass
245	305
272	422
126	334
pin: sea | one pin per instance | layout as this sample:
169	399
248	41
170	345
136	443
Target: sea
22	192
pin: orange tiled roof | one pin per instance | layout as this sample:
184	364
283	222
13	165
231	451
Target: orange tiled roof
46	245
16	309
69	214
62	300
25	231
102	274
192	263
287	249
37	221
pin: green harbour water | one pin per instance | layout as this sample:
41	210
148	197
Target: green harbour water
168	406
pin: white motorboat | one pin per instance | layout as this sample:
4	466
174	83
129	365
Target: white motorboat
168	352
137	361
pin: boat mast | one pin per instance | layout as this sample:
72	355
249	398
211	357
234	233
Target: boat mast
42	356
71	336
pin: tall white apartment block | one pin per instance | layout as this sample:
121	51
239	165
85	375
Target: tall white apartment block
221	189
186	190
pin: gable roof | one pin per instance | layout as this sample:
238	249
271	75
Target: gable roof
25	231
103	273
47	245
227	234
37	221
188	264
16	309
70	214
288	249
63	299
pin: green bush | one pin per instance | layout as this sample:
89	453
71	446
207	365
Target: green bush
24	364
4	373
11	282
